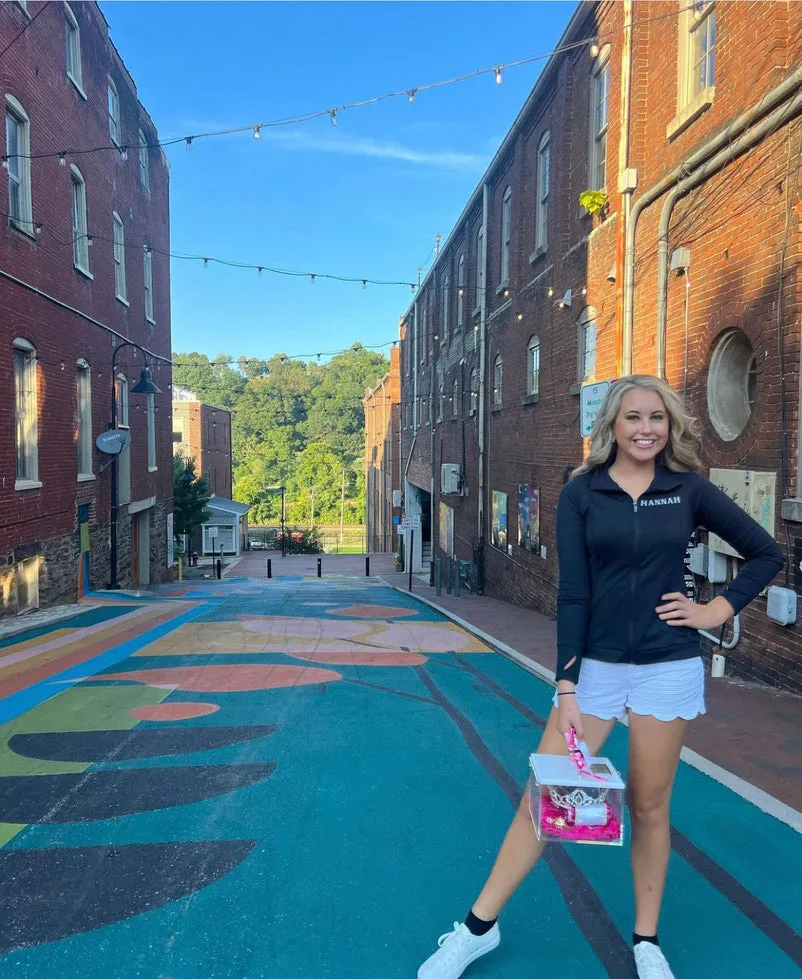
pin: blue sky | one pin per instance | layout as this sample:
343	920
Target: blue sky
364	199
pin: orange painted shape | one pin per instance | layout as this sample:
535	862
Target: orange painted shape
363	659
228	679
173	712
372	611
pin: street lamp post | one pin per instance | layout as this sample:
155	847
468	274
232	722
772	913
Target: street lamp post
282	490
145	385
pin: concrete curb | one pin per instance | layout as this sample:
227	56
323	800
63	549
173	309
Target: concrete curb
765	802
59	613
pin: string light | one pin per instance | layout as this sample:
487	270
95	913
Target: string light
189	142
411	95
257	132
62	159
498	75
594	50
333	116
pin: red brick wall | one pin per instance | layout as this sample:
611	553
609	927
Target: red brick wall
33	71
382	444
735	226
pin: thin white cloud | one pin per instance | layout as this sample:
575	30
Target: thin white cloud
366	146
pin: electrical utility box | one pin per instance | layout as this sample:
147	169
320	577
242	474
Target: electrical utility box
450	478
754	492
781	605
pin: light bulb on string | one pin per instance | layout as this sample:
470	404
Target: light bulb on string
62	159
206	263
89	241
364	283
259	270
312	279
189	142
551	292
498	76
124	154
333	116
257	132
5	163
594	50
411	95
584	290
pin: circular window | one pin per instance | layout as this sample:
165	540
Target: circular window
731	385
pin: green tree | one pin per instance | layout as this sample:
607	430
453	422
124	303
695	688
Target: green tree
214	382
190	496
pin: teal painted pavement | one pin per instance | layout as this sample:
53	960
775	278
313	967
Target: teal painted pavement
311	778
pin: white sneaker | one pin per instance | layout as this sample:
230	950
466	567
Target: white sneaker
650	962
458	948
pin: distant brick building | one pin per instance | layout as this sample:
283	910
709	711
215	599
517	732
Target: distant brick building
382	462
84	268
685	118
203	432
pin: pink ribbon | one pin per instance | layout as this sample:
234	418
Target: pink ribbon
580	756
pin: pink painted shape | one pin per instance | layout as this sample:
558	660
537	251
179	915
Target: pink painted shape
173	712
227	679
363	659
372	611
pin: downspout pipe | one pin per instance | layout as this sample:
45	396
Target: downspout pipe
768	125
480	507
770	101
624	191
414	372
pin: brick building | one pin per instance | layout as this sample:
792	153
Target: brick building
382	465
83	270
203	432
687	119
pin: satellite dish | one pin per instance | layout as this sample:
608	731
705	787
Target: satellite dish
114	441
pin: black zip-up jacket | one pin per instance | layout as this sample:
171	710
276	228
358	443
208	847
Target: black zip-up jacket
619	557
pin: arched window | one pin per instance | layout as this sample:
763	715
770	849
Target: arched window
498	370
587	344
533	366
543	186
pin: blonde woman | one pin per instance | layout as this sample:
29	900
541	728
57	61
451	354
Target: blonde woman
627	640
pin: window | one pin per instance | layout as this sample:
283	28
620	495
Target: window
455	399
28	585
587	344
119	259
498	371
599	120
731	385
18	149
74	72
474	401
26	414
80	238
148	263
144	162
84	399
151	410
121	393
480	266
461	292
506	232
441	403
114	114
533	366
700	50
445	326
424	338
543	186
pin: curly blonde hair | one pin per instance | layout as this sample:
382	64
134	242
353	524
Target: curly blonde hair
682	449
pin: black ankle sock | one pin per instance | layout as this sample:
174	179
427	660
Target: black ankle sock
644	938
476	926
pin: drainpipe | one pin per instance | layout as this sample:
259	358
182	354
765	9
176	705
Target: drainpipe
414	372
480	508
770	101
625	184
768	125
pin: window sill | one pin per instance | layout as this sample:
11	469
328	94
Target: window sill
472	413
86	477
495	407
153	469
503	287
537	253
121	299
78	87
476	311
84	272
691	112
19	225
27	484
530	399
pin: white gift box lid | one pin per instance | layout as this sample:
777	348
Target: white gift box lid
560	770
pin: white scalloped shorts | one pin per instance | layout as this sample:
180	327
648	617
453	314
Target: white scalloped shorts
662	690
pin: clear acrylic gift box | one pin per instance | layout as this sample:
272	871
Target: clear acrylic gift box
569	806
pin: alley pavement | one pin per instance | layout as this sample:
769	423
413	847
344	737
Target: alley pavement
310	777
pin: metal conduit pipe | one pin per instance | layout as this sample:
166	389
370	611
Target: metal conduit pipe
730	643
773	121
771	100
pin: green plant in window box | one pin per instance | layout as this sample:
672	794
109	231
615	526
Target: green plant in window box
593	201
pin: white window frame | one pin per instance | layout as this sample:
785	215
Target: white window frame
147	260
455	399
543	190
28	573
533	366
73	50
588	344
84	420
120	286
121	393
506	237
599	120
692	99
480	266
144	162
498	380
151	419
461	292
19	167
113	103
26	413
445	326
474	398
424	331
80	236
441	401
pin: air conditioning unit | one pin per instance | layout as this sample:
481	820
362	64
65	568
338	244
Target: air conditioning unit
450	478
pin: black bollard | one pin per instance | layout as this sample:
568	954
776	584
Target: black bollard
437	576
269	568
367	566
219	569
320	567
411	555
